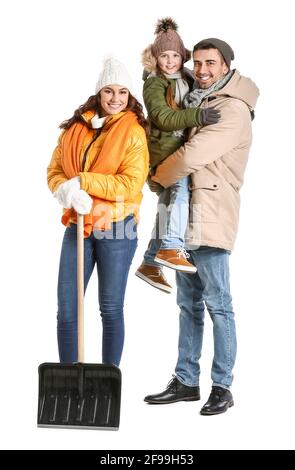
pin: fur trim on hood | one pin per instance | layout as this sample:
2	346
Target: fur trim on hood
148	60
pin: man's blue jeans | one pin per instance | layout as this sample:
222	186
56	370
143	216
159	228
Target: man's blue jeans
171	220
112	252
208	286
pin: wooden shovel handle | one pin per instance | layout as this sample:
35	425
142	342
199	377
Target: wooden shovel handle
80	285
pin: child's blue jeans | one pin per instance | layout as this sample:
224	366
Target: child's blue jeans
171	220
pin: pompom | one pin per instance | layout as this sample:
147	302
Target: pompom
165	24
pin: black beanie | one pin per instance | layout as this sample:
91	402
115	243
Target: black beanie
224	48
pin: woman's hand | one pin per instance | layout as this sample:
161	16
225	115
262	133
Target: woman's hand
70	195
66	190
82	202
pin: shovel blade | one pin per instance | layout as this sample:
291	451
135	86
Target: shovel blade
79	396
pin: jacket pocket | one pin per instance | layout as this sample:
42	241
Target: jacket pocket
206	195
229	177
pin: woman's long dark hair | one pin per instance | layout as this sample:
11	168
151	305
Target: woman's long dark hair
93	103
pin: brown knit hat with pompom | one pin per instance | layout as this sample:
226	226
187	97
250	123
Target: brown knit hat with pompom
168	39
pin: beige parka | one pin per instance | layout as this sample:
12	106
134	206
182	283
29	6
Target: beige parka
215	156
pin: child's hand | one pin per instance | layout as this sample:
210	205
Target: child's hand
209	116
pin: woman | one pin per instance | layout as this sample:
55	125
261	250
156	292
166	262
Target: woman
98	169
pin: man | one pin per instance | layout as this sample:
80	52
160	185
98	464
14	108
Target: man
215	156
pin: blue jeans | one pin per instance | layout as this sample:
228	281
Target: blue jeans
112	251
171	220
210	287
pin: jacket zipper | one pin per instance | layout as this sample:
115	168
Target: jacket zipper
88	147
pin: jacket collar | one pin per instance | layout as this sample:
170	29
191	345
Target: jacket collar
98	122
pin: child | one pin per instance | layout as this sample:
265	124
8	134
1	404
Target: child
164	89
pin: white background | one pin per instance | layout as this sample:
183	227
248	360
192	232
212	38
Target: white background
51	55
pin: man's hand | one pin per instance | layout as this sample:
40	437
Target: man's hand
154	186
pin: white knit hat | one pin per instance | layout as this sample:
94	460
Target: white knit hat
114	73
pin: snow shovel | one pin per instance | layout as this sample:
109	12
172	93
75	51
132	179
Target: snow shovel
79	395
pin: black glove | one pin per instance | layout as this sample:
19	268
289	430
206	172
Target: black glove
154	186
208	116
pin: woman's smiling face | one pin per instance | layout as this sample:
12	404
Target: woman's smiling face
113	99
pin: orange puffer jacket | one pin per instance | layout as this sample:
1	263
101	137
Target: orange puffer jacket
118	188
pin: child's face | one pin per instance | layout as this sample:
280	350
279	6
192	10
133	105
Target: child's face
169	62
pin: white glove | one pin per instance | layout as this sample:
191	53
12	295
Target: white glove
82	202
66	191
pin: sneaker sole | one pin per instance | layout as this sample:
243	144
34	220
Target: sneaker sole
167	289
206	413
176	267
171	401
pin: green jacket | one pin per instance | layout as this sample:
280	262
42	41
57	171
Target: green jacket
164	120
